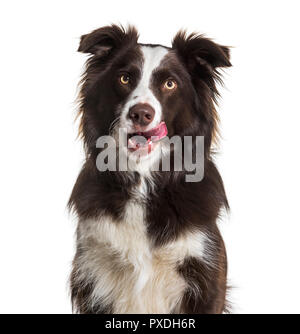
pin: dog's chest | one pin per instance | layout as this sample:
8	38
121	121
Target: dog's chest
127	272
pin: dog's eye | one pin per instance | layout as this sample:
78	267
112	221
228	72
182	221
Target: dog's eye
124	79
170	84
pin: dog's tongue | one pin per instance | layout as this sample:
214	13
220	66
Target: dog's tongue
158	132
147	138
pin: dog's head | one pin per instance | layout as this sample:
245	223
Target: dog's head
149	89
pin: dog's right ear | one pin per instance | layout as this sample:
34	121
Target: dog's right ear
102	41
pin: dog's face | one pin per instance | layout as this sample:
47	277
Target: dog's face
149	90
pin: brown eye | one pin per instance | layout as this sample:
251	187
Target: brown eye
124	79
170	84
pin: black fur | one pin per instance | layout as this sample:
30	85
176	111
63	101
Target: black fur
175	206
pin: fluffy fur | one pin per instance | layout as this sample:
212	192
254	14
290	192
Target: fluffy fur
147	242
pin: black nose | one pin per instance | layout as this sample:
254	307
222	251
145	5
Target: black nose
141	114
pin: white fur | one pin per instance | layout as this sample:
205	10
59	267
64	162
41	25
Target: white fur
142	163
129	272
142	93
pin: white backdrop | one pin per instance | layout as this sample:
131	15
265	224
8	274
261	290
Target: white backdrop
40	156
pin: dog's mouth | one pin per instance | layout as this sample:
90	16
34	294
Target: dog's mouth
138	140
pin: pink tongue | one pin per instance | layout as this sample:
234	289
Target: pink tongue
150	137
159	132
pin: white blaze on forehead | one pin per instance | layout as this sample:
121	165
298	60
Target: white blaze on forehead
152	57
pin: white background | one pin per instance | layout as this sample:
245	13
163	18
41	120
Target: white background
40	156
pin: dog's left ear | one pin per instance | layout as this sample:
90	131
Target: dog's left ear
197	50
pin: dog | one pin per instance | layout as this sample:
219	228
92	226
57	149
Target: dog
147	240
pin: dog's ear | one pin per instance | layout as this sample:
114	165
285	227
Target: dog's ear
102	41
197	50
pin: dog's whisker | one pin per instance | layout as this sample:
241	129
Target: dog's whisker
113	125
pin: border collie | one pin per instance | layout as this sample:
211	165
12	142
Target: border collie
147	240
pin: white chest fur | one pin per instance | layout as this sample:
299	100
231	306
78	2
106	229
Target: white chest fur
126	271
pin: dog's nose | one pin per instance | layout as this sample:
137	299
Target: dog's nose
141	114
